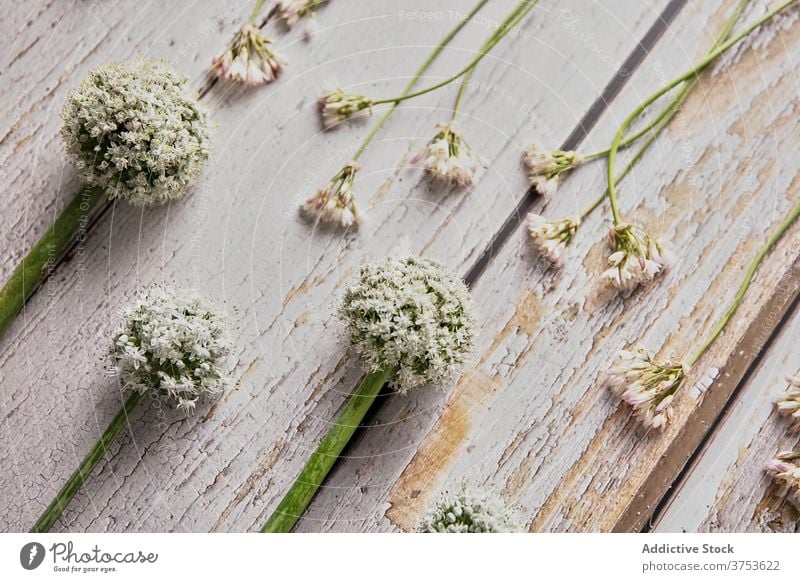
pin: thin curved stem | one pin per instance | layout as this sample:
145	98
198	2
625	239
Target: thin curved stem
256	11
525	6
664	117
297	499
78	478
745	285
484	49
693	72
42	258
416	76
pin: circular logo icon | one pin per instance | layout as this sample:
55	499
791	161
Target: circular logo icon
31	555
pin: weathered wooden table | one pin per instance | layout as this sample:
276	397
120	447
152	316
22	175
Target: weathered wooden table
528	418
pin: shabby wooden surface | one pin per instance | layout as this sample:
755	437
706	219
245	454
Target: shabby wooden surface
527	418
726	489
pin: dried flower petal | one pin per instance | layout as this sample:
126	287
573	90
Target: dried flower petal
646	385
544	167
336	202
449	157
338	106
134	130
173	343
551	238
470	511
636	257
789	404
291	11
248	59
785	472
410	314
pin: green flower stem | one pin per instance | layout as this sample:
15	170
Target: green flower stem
256	11
693	72
522	9
35	267
483	50
78	478
748	278
321	461
416	76
664	117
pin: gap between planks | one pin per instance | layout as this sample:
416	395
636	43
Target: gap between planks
687	447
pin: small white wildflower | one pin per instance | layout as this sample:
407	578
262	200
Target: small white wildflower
248	59
291	11
646	385
636	257
470	511
789	404
449	157
336	202
785	472
412	315
551	238
173	343
545	167
133	130
338	106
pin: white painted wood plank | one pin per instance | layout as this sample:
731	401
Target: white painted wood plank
239	238
726	489
529	418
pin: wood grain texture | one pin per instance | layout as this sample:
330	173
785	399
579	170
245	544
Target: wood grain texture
239	239
529	419
726	489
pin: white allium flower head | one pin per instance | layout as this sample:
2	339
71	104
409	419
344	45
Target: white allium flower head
448	156
789	404
174	343
470	511
338	106
545	167
335	202
551	238
785	472
410	314
291	11
132	129
248	59
636	257
649	387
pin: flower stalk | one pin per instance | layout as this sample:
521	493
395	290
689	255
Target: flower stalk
81	474
305	487
45	254
358	103
690	74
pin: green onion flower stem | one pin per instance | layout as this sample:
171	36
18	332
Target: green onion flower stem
691	73
416	76
745	285
516	15
663	118
46	253
78	478
319	465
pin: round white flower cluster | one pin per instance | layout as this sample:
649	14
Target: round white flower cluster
412	315
133	130
470	511
174	343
